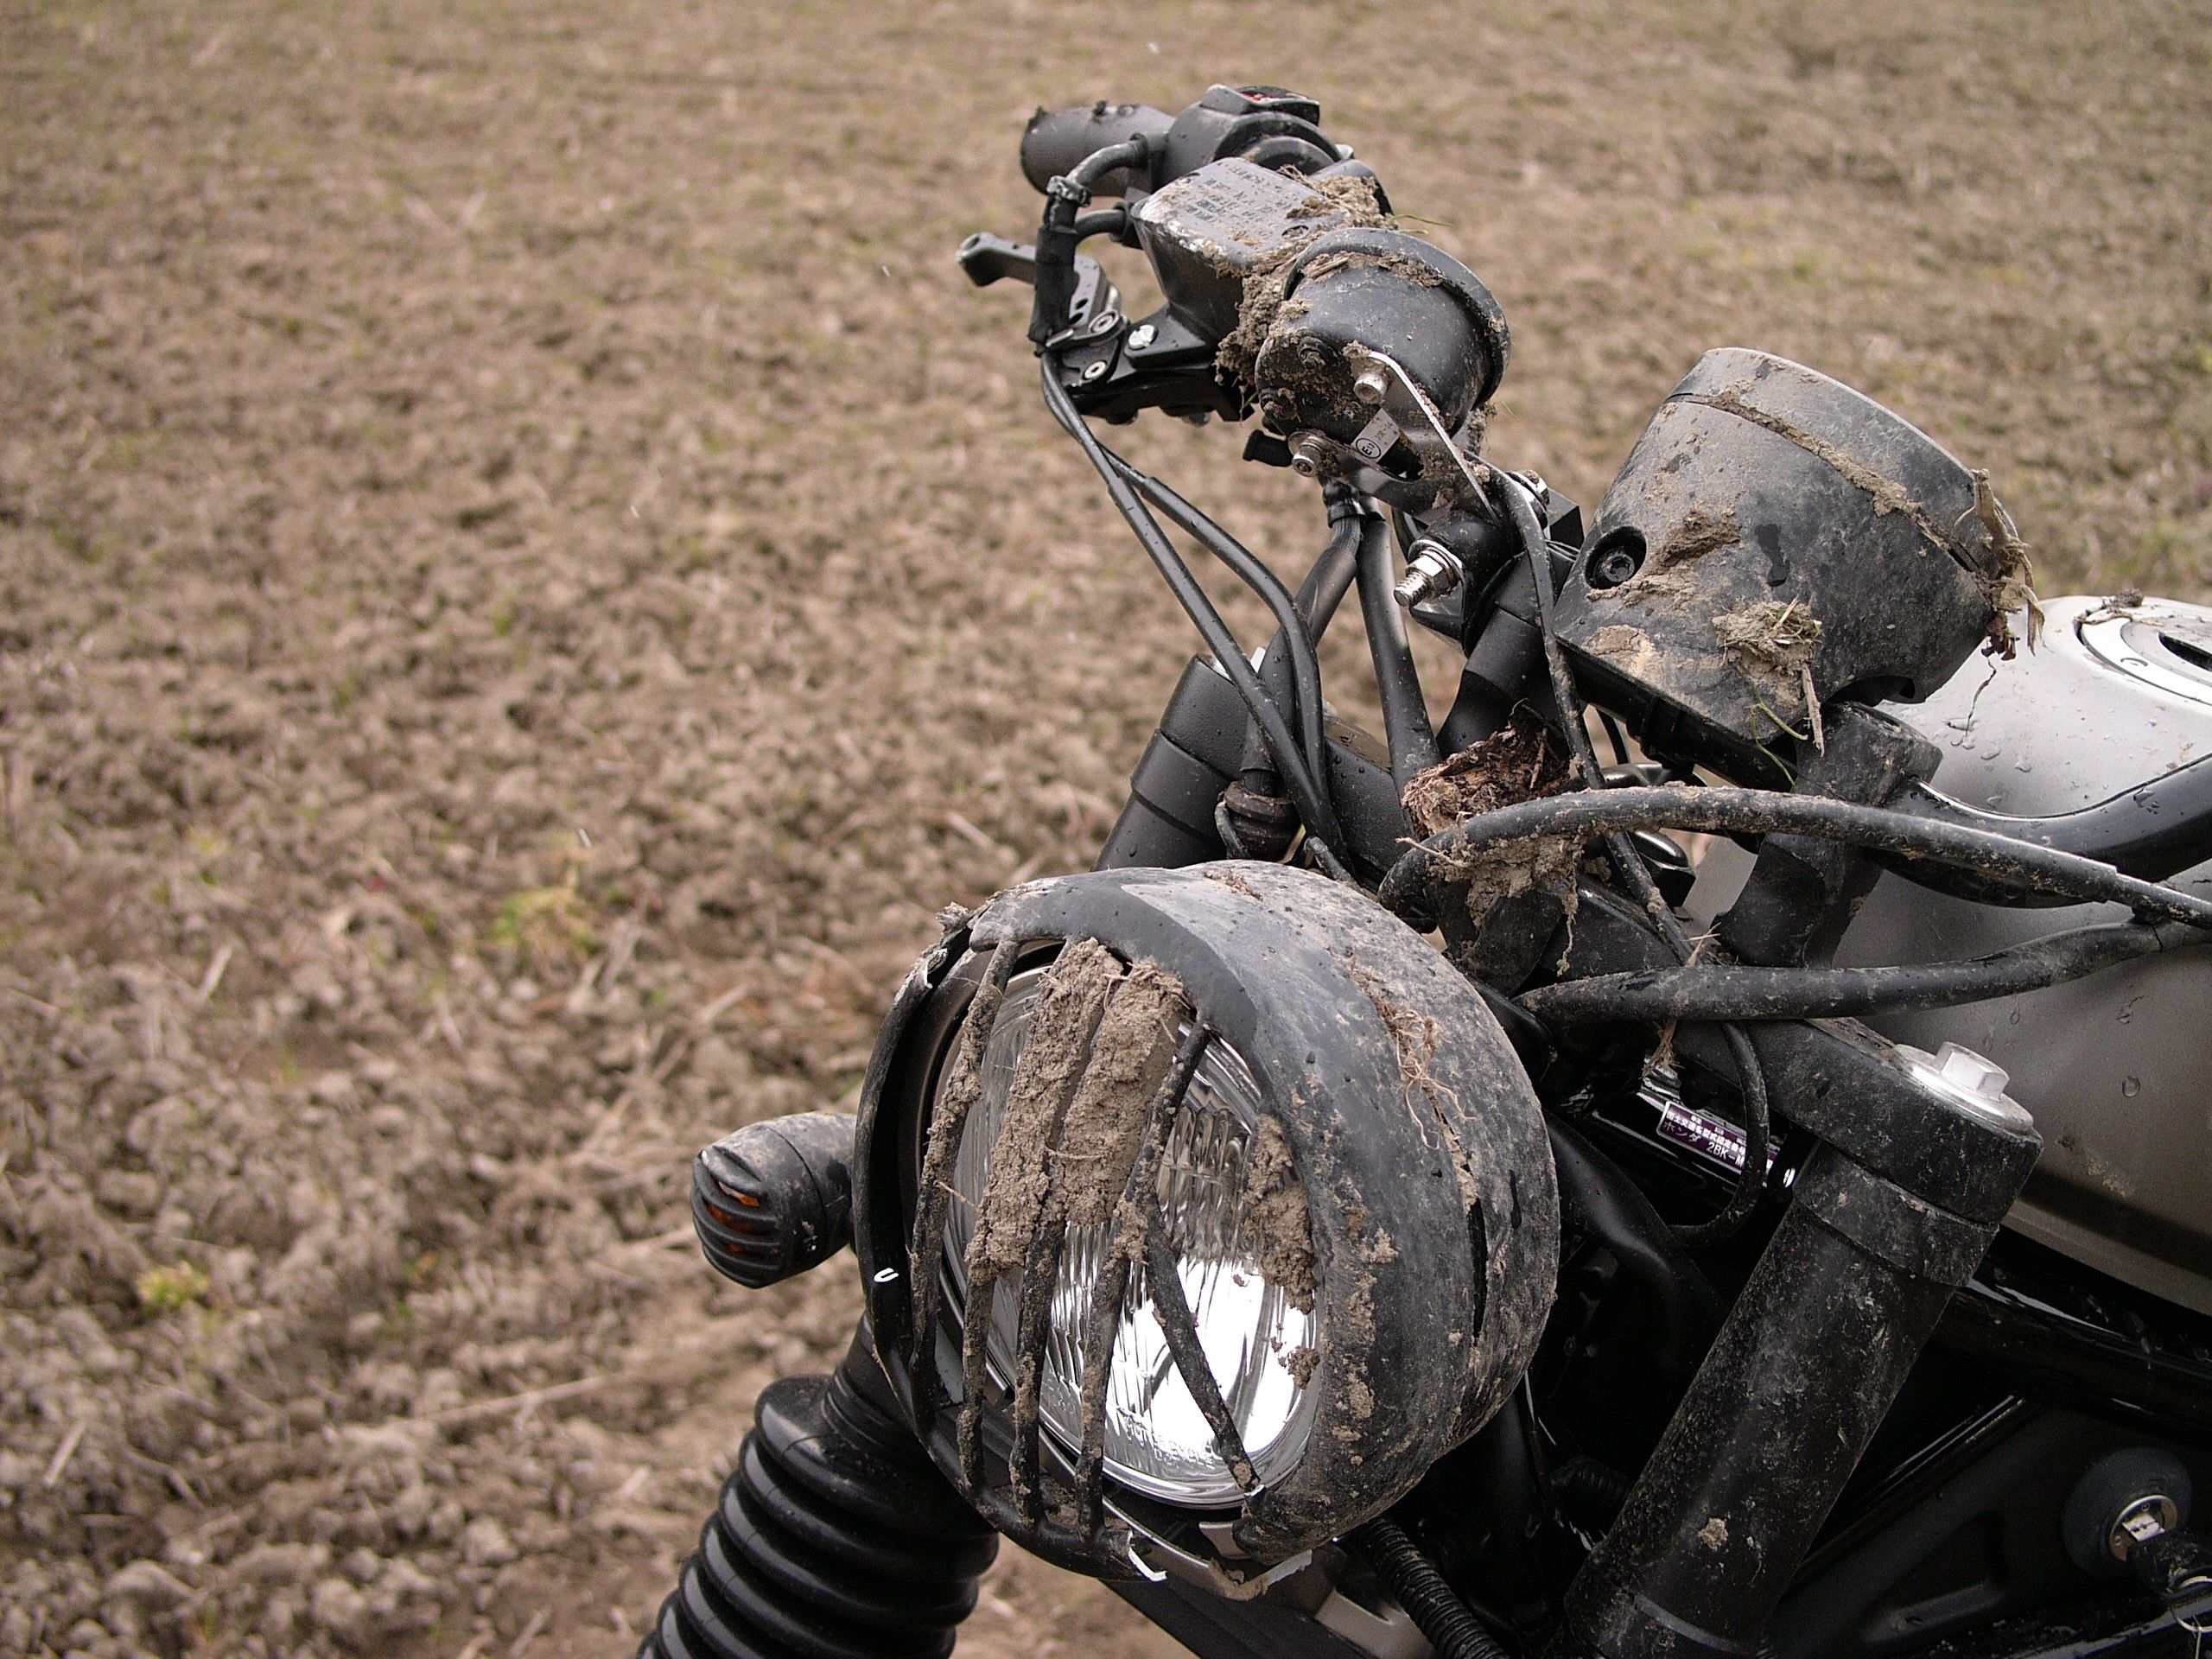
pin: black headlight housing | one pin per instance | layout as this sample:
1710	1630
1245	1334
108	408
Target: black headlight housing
1416	1153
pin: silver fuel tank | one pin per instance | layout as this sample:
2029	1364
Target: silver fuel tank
2117	1068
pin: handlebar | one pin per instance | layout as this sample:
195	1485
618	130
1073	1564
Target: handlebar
1055	141
1266	126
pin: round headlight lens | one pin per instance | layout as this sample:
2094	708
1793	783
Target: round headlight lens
1254	1335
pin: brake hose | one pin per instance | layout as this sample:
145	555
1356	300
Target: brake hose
1297	637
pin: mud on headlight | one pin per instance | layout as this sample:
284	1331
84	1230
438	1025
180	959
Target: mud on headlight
1200	1211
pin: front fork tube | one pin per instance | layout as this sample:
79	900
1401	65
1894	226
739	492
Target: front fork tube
1806	1366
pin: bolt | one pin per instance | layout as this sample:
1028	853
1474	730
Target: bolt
1306	455
1094	371
1433	570
1143	336
1370	385
1613	567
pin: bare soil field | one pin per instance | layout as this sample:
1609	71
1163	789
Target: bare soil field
526	578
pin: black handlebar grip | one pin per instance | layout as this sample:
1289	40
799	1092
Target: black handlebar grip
1056	140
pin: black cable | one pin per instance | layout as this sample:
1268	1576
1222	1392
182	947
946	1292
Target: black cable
1614	735
1633	874
1110	221
1312	804
1724	811
1727	992
1293	636
1334	572
1405	716
1413	1582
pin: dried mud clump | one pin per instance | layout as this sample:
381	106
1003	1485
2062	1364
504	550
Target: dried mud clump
1129	1056
1523	760
1044	1083
1665	575
1335	204
1773	645
1275	1210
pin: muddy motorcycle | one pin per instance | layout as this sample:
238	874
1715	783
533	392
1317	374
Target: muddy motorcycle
1401	1199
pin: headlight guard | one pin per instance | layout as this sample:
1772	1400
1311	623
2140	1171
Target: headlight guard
1416	1161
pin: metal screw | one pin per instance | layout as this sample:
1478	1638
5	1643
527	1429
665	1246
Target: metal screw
1370	385
1094	371
1106	321
1306	455
1143	336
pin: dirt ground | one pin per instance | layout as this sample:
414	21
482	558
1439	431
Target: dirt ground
526	578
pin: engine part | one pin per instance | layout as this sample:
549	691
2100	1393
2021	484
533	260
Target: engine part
1346	1132
775	1198
833	1537
1773	534
1805	1367
2114	1068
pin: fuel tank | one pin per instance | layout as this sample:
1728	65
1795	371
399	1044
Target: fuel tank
2117	1068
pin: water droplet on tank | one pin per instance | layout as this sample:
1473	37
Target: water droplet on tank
2024	765
2131	1087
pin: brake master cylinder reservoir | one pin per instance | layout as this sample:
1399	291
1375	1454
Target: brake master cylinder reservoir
2117	1068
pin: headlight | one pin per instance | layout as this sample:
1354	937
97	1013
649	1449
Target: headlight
1268	1129
1255	1335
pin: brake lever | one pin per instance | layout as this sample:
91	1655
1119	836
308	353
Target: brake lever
987	259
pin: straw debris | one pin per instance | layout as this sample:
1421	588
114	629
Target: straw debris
1774	643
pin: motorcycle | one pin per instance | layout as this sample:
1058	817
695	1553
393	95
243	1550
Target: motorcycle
1741	1190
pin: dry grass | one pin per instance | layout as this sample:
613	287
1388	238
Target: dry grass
527	579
